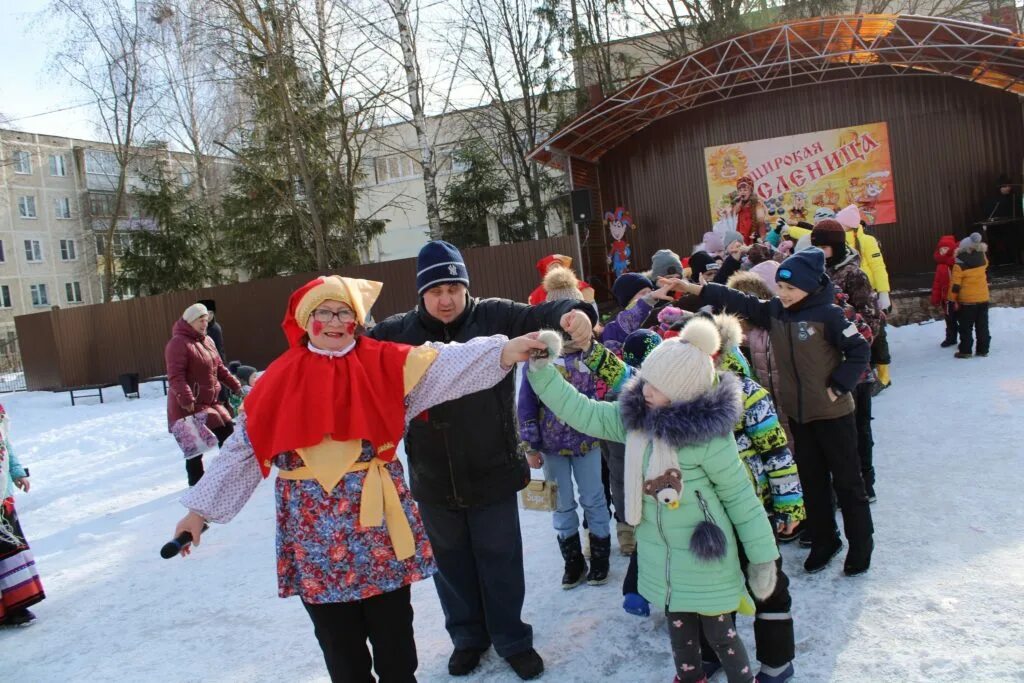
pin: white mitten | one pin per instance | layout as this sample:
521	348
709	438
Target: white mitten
553	340
762	578
883	301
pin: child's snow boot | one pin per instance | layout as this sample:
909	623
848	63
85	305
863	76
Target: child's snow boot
821	554
858	559
784	675
575	565
600	550
636	604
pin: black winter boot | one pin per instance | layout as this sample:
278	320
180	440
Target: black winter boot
600	549
575	565
858	559
821	554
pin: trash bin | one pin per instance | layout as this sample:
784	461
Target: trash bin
130	384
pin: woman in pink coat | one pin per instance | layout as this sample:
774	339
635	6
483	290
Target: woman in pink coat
194	376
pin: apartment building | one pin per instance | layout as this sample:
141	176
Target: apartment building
56	201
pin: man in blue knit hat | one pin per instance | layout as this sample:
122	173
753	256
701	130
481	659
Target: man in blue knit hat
465	467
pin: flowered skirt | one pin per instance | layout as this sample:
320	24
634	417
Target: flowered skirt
20	586
324	555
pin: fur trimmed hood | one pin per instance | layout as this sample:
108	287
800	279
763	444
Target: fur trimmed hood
711	415
729	330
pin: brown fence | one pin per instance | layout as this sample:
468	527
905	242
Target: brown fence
95	344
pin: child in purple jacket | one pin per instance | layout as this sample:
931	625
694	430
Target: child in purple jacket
566	454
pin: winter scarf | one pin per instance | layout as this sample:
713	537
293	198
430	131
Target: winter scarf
667	430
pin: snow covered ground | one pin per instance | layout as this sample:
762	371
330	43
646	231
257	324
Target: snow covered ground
943	601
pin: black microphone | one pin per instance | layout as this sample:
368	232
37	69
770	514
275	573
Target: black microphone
172	548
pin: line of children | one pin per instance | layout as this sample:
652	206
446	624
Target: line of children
821	357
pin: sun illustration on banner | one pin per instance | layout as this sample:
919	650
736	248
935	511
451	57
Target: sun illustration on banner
727	164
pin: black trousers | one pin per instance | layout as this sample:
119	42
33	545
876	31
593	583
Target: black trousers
951	325
973	319
865	439
880	348
342	629
613	454
480	579
826	458
194	466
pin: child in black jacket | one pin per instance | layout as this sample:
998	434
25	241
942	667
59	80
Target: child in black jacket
821	357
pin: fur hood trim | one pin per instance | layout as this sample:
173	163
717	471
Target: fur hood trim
749	283
711	415
729	330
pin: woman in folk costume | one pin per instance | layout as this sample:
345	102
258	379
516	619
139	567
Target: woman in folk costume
329	413
20	586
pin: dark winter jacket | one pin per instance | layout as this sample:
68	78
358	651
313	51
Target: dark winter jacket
216	334
465	452
194	376
851	280
815	349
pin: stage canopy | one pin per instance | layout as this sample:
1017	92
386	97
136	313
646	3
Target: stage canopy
793	55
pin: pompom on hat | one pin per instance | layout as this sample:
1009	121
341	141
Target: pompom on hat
682	367
194	313
357	293
970	243
561	284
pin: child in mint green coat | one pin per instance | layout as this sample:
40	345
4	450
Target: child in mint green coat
686	490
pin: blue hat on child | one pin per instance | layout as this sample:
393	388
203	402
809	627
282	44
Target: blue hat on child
804	270
627	285
439	263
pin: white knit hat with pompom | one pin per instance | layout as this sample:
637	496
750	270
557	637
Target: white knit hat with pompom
682	367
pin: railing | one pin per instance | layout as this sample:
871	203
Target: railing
12	375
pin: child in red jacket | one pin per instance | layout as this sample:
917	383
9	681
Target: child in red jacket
945	255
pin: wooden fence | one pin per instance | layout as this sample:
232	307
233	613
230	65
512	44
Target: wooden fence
71	347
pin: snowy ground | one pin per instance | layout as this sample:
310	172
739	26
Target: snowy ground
943	601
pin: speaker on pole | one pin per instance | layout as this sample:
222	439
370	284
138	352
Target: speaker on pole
581	206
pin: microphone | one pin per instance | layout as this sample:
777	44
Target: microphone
172	548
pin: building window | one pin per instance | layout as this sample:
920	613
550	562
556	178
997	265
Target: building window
99	162
3	254
62	207
33	251
5	296
74	292
27	207
396	167
57	167
22	162
68	251
101	205
39	295
186	177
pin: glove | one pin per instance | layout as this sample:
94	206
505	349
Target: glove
883	301
541	359
762	578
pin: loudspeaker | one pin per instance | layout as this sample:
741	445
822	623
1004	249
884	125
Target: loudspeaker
581	206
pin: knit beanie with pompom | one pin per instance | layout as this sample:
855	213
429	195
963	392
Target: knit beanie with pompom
682	368
561	284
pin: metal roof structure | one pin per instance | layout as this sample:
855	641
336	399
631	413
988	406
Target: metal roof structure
793	55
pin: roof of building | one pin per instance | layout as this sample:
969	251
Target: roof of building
791	55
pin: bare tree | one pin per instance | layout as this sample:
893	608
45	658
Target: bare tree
198	100
314	91
104	56
509	56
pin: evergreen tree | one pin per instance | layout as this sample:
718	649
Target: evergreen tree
180	248
482	189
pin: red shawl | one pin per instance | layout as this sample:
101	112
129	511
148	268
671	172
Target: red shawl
304	397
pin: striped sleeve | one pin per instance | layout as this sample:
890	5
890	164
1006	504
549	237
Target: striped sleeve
768	444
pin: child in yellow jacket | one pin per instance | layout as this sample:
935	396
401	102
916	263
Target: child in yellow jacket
968	290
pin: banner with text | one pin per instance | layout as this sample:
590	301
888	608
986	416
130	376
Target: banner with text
795	175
